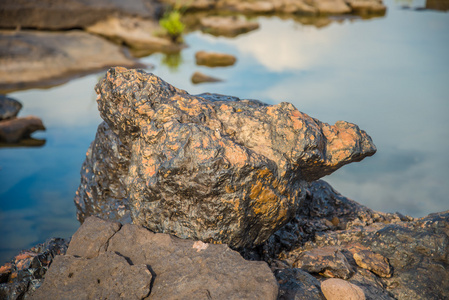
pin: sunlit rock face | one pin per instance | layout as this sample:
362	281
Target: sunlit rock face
209	167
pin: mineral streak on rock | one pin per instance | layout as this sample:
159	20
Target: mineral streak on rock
209	167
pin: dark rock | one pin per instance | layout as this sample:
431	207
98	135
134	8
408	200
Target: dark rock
212	167
25	273
442	5
69	14
416	250
104	194
136	260
199	77
230	26
213	59
106	276
327	261
296	284
32	58
14	130
9	108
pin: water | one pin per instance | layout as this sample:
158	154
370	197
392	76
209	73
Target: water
389	75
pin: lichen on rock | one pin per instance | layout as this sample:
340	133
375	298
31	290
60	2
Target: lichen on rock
210	167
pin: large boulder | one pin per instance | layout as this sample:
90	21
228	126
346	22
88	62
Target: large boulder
209	167
131	262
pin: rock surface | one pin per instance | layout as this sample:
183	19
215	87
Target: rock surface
199	77
9	108
208	167
70	14
214	59
134	263
31	57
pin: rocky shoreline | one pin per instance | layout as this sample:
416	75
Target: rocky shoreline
46	43
176	202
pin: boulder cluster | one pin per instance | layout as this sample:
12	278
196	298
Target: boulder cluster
215	197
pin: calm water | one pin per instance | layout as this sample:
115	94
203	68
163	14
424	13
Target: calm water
389	75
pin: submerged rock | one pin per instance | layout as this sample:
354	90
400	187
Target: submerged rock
134	263
209	167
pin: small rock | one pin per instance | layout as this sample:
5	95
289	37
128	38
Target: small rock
339	289
213	59
9	108
374	262
298	285
199	77
328	261
13	130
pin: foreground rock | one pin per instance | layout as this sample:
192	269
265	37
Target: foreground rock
30	57
62	14
385	255
133	263
214	59
208	167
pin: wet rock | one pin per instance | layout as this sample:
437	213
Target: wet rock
212	167
415	249
199	77
338	289
296	284
61	14
139	260
227	26
25	273
374	262
106	276
14	130
9	108
214	59
328	261
134	32
104	194
31	58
